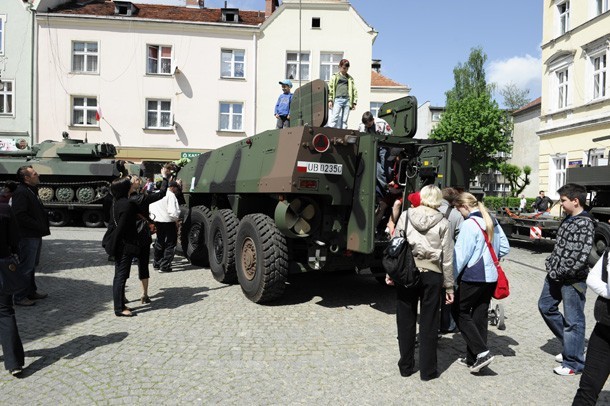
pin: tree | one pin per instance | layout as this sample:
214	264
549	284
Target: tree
472	117
512	173
514	97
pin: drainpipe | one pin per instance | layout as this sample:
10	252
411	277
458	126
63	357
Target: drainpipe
33	73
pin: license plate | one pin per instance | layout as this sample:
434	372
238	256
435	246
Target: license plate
319	167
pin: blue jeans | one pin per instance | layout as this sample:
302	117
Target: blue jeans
340	113
29	254
568	327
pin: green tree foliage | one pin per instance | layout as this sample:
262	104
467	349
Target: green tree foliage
514	97
472	117
512	173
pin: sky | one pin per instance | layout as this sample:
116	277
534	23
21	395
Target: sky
420	42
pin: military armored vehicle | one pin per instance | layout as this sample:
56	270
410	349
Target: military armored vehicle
74	176
303	198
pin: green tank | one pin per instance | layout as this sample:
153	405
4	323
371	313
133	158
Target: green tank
75	176
303	198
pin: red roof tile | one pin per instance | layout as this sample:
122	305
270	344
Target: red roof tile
528	106
377	79
161	12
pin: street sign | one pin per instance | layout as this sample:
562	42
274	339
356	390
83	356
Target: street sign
187	154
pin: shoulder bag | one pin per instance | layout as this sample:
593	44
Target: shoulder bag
109	239
11	281
399	263
502	289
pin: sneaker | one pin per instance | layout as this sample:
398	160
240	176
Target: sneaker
481	363
16	371
564	371
165	270
38	295
464	362
25	302
156	266
559	358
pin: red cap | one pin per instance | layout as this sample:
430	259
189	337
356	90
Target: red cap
414	199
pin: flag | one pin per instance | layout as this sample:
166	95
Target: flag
98	113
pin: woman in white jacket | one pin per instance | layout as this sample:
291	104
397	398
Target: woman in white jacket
597	364
427	231
476	277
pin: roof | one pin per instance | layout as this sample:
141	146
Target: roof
528	106
377	79
105	8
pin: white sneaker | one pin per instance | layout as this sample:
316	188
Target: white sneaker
559	358
564	371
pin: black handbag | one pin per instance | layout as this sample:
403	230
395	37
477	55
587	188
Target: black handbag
109	239
11	281
399	263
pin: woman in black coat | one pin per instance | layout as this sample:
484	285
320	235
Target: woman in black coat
125	244
143	200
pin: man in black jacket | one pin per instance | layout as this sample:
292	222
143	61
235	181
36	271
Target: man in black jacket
33	225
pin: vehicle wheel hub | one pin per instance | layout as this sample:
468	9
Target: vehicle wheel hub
248	258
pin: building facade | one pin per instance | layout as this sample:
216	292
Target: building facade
575	106
158	80
16	74
526	121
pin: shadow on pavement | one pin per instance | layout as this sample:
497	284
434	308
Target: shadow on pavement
69	350
67	255
172	298
338	289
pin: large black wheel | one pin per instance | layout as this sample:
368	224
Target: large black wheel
197	232
221	246
93	218
601	241
183	226
261	258
59	217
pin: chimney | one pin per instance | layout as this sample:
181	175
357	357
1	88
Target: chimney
270	6
195	3
376	65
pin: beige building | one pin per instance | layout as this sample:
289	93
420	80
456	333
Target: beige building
575	106
384	89
526	122
158	80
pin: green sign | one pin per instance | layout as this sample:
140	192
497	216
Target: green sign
186	154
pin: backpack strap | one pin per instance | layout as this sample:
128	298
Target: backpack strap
448	212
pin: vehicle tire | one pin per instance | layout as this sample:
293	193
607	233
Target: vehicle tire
59	217
93	218
500	317
197	232
183	227
261	258
221	246
601	240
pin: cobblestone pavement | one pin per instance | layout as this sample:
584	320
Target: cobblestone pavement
331	340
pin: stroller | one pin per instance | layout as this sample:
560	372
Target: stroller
496	315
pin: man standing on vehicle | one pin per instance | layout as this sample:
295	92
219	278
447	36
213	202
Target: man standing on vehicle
543	203
33	225
567	268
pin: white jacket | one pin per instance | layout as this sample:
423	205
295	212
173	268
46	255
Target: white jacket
594	280
166	210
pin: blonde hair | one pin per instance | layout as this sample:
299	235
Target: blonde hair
431	196
467	199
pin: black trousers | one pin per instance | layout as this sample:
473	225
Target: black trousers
143	260
428	292
165	245
12	348
122	267
597	366
470	312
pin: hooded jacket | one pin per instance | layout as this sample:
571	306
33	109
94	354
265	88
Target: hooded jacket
428	234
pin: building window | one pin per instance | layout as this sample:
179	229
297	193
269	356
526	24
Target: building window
2	24
231	116
436	116
563	10
84	57
232	63
159	60
601	6
562	88
599	75
159	114
7	94
315	22
83	111
374	108
329	64
594	157
292	63
557	175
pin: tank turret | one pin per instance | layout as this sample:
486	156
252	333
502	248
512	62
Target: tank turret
75	176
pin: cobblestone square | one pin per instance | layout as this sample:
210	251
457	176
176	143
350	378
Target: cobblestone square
330	340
